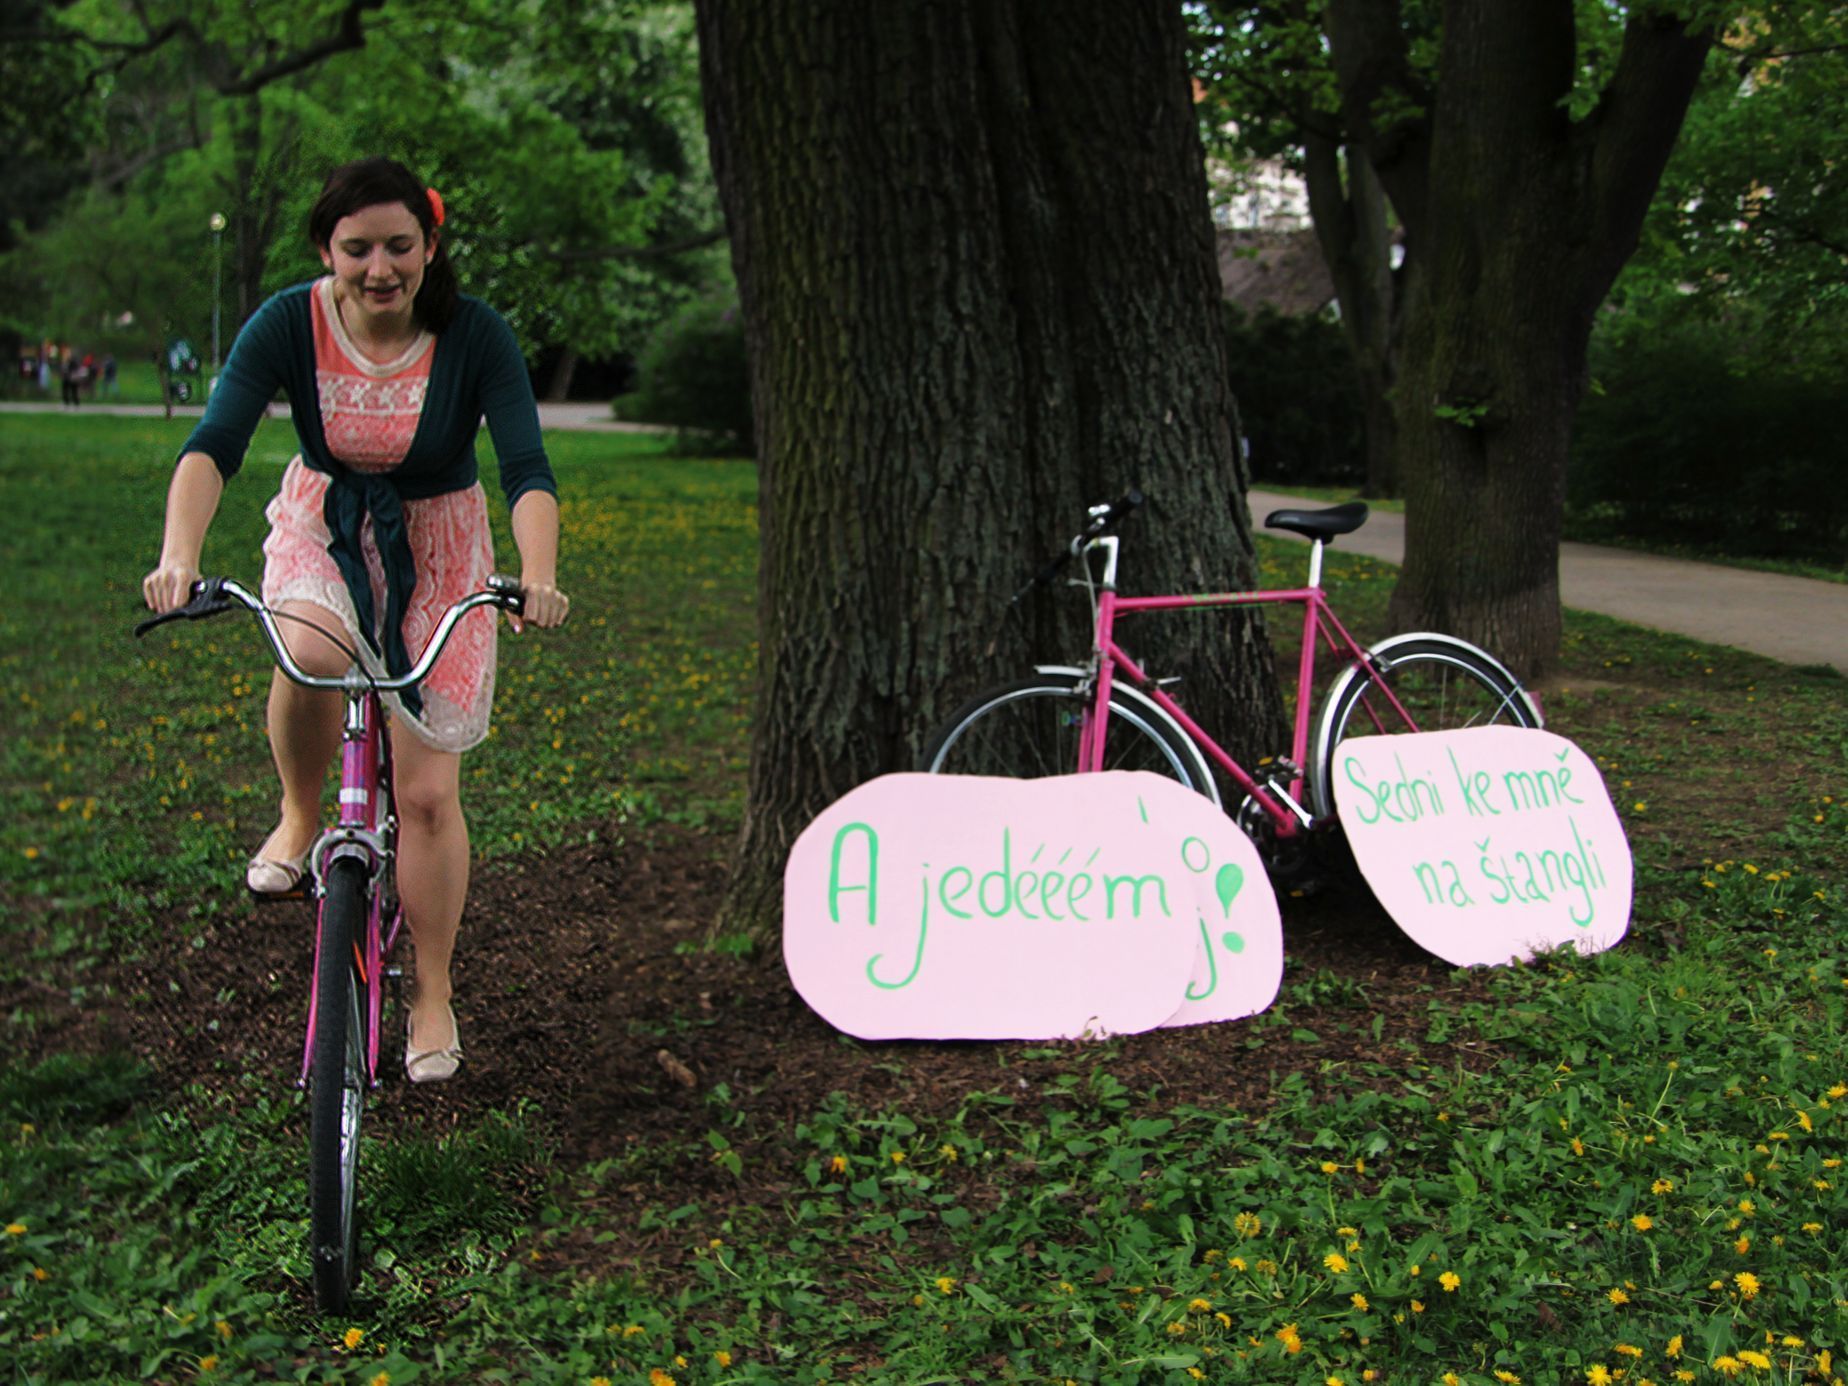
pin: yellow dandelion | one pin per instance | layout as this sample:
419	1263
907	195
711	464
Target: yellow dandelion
1418	1306
1642	1222
1743	1245
1450	1280
1662	1186
945	1284
1451	1379
209	1362
1199	1306
1237	1263
634	1330
353	1337
1728	1366
1627	1350
1748	1284
898	1157
600	1381
1330	1167
1176	1329
657	1377
1359	1301
1506	1377
722	1357
1598	1375
1336	1262
948	1152
380	1379
1617	1296
1578	1146
838	1164
1674	1347
16	1229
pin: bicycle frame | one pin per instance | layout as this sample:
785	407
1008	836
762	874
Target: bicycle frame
1283	804
367	825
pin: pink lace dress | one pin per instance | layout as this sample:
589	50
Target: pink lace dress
369	415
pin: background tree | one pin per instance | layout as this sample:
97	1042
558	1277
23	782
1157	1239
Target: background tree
979	288
569	142
1518	146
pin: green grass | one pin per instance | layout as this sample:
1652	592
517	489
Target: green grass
137	774
1636	1151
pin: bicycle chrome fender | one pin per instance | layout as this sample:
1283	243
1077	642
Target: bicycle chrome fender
1379	656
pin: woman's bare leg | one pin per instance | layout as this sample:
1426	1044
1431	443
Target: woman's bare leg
433	863
304	730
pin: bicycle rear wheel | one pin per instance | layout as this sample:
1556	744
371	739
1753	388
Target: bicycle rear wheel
337	1088
1443	684
1030	729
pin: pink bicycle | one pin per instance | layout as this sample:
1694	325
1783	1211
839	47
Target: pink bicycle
357	920
1109	713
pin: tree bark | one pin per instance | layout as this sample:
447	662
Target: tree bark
1517	218
973	250
1348	208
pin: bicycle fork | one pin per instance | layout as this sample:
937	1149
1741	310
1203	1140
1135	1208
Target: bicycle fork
365	832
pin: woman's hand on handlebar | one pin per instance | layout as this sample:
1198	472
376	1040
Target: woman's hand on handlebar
169	586
545	606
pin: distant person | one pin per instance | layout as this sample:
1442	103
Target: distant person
379	526
109	375
72	377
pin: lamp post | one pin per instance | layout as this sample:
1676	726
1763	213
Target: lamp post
218	236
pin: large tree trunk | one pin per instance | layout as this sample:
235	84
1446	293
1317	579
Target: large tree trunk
1517	218
1348	207
972	243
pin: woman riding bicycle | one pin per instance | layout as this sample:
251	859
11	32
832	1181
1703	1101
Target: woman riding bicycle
380	523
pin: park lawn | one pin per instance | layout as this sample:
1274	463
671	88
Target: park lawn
1626	1167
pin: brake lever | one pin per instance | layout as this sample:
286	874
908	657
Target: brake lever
207	601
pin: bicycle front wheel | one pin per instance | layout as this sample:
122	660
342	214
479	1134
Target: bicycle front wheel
1030	729
1442	683
337	1088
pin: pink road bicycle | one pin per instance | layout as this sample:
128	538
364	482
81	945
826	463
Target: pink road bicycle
357	920
1109	713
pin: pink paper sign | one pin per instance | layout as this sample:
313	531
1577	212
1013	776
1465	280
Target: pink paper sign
1486	845
963	907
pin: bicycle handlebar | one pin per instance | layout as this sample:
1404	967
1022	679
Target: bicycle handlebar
211	596
1104	518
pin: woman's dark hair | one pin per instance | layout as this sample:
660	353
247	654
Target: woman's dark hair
367	183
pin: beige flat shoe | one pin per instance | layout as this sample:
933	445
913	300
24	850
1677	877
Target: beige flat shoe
276	880
433	1065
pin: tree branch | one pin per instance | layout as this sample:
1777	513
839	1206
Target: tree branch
1634	126
1372	58
641	252
349	32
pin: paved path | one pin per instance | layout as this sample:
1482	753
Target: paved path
1796	620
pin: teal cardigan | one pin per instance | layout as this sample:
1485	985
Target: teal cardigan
477	369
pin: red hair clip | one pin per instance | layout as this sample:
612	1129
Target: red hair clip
436	205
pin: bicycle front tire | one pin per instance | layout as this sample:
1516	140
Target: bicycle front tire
1030	729
337	1088
1443	683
